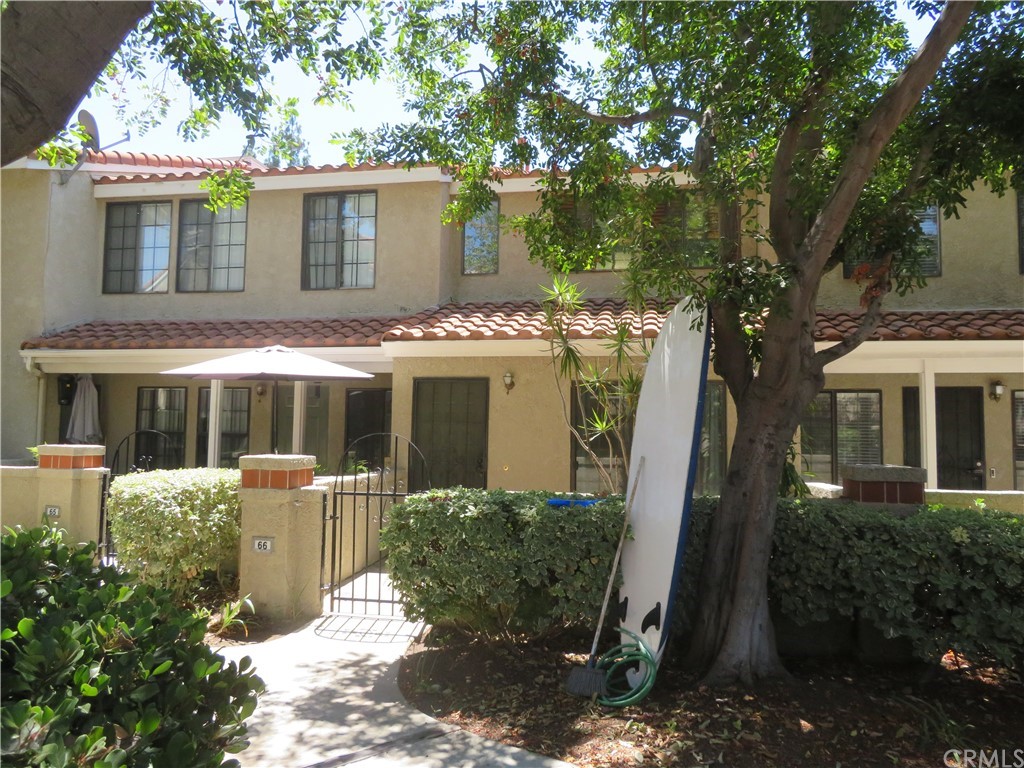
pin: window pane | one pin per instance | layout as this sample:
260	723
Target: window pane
712	461
928	250
816	440
480	243
234	426
859	427
161	409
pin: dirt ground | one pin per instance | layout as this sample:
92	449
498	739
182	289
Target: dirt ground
830	714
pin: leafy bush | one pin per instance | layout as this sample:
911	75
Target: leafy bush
495	562
96	670
172	526
942	578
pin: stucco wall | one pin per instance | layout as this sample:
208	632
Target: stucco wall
23	241
980	262
407	268
527	439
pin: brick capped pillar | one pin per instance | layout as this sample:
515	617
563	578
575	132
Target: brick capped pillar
64	491
282	525
883	483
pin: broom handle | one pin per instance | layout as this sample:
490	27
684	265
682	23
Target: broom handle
615	561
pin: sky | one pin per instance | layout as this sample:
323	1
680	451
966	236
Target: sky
376	104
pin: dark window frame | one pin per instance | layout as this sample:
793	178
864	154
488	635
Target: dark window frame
180	279
1017	438
108	285
1020	231
339	241
834	458
496	207
203	426
177	438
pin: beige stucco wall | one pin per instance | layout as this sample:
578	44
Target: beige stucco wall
22	259
980	262
26	492
527	439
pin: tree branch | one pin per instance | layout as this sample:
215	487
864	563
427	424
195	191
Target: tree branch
623	121
869	322
876	131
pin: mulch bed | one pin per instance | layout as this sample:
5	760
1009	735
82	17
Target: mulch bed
830	714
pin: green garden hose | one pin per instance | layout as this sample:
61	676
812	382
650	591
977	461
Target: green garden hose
620	660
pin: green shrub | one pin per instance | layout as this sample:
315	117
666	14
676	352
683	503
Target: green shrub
499	563
944	579
96	670
172	526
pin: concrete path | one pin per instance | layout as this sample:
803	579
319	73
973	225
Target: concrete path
333	700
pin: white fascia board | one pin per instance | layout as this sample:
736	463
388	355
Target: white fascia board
310	181
965	356
146	361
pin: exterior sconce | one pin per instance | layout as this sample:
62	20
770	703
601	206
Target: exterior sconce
995	390
509	381
261	390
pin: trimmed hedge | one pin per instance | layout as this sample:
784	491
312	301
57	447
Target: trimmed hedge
173	526
492	561
500	563
96	670
943	579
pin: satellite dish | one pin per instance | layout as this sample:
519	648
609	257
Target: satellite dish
89	124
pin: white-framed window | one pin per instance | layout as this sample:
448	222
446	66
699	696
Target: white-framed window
211	248
339	240
137	247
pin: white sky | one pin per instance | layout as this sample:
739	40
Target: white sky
375	104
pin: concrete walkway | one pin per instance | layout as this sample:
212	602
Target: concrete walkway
332	700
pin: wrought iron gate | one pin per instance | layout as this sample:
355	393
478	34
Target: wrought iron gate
372	476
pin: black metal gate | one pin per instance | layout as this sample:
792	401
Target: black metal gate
137	452
373	475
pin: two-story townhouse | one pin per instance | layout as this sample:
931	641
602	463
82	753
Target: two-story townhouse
119	272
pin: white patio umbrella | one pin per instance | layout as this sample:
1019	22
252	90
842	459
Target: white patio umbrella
84	423
267	364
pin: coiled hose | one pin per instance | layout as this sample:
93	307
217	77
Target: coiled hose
623	662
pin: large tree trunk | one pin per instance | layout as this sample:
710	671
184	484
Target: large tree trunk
52	54
733	638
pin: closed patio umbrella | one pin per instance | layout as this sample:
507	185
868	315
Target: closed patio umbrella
84	424
268	364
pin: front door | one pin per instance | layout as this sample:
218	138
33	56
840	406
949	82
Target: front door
960	436
449	425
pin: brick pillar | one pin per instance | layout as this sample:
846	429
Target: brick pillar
64	491
282	524
883	483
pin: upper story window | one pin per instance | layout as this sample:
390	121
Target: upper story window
339	240
694	221
929	252
137	247
211	248
480	243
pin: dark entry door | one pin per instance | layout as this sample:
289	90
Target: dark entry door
449	425
960	435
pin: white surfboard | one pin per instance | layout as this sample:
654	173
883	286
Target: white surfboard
667	434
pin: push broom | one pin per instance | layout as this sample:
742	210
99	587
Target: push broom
590	681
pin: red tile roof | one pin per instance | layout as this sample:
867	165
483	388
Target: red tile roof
217	334
598	318
490	320
114	157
